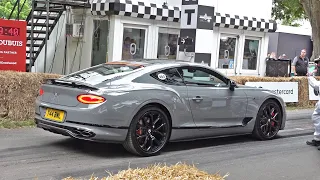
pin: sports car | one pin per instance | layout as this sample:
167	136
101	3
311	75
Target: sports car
144	104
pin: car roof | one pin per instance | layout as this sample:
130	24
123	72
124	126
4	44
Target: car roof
150	62
154	64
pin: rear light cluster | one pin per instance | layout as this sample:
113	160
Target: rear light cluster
41	92
84	98
90	99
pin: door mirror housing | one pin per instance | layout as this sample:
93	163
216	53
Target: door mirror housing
232	85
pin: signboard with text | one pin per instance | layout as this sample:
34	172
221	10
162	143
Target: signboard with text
312	95
287	90
13	45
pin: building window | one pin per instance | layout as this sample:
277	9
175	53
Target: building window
227	52
100	42
133	43
250	54
167	46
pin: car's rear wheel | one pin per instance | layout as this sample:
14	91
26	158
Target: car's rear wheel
149	132
268	121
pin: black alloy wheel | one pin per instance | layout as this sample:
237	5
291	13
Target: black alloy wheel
268	121
149	132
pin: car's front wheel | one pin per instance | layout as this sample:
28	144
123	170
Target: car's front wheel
149	132
268	121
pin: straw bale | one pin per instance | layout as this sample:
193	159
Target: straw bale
18	91
302	83
178	171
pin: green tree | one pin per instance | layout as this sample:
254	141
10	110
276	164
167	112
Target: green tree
6	7
290	11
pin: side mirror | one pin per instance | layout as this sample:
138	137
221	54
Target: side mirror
232	85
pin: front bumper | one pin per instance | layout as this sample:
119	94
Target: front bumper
84	131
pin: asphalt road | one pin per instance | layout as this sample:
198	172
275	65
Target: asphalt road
31	153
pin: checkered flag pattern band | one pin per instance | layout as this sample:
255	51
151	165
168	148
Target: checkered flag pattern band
245	23
138	9
134	8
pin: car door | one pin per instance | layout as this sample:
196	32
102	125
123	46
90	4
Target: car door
175	94
212	103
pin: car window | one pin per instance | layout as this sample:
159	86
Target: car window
102	72
202	77
168	76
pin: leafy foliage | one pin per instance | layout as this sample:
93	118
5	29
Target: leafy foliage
288	11
6	7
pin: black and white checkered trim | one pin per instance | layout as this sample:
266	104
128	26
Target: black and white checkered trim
245	23
134	8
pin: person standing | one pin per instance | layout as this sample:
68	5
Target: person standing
316	114
316	71
300	64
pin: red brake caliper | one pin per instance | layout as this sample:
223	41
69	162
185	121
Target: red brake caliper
272	122
139	131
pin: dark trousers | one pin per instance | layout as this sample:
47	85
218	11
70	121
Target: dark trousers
301	74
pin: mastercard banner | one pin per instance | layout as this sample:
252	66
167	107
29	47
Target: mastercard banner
13	45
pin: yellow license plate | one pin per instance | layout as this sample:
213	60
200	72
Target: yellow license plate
54	115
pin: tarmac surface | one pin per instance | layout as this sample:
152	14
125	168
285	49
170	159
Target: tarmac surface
30	153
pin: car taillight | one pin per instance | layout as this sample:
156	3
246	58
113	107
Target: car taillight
41	92
90	99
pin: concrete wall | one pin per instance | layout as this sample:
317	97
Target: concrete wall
250	8
78	53
273	42
55	47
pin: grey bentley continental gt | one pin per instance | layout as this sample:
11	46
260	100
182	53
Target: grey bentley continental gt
144	104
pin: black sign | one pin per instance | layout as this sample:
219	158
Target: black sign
203	58
205	17
188	39
190	2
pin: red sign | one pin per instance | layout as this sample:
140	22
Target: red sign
13	45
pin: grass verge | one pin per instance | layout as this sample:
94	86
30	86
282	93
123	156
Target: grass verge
12	124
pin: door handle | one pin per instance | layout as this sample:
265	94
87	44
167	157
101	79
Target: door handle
197	98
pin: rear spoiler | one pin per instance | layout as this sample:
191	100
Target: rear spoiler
73	84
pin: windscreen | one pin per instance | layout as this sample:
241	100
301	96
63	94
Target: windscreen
103	72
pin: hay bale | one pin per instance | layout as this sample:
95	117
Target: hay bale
18	91
302	81
162	172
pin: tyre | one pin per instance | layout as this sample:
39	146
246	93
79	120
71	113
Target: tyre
268	121
149	132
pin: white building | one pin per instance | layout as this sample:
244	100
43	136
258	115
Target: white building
237	43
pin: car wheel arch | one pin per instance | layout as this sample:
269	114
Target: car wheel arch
154	102
275	100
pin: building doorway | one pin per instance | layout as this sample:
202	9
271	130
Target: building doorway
100	42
